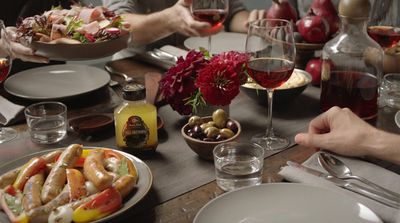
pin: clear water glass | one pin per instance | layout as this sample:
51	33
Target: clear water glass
238	165
390	90
47	122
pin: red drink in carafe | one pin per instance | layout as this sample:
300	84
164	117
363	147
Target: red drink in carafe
353	89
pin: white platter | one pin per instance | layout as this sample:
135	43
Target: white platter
282	203
56	81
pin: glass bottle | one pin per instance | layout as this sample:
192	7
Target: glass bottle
136	121
352	63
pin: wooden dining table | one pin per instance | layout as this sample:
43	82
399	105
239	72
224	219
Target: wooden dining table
182	182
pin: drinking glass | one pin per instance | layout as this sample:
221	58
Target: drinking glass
384	24
47	121
270	46
6	134
238	165
211	11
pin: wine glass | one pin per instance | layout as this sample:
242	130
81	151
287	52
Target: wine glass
384	23
6	134
272	53
211	11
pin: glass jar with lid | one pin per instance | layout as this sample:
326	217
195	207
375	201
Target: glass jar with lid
136	121
352	63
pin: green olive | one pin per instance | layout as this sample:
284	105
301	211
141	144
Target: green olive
194	120
227	133
220	117
211	132
206	125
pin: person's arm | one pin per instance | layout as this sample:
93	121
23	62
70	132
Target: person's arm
17	50
341	131
176	19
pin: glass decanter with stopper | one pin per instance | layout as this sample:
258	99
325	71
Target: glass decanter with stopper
136	121
352	63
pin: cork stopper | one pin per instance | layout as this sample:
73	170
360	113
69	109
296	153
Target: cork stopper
356	9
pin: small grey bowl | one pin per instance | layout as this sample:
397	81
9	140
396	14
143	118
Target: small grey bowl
280	95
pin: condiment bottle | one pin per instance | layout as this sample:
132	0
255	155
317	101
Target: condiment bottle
136	121
352	63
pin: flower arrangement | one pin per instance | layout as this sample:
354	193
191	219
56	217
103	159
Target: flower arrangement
200	80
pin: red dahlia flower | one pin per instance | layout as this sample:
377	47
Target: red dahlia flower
194	81
177	86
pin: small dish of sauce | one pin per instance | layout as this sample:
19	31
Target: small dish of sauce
93	123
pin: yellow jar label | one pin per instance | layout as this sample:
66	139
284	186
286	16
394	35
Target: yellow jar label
135	132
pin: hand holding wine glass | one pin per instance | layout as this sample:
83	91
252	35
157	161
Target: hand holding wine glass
271	48
212	11
6	134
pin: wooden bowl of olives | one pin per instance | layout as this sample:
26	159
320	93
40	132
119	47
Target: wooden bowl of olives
202	134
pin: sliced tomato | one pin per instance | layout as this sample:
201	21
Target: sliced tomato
76	184
32	167
105	203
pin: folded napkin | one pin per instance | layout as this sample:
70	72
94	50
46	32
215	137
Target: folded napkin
374	173
9	112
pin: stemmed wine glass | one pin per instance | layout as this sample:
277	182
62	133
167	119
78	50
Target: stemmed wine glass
211	11
6	134
272	53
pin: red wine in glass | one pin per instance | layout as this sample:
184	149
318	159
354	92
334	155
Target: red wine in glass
270	72
386	36
356	90
4	68
212	16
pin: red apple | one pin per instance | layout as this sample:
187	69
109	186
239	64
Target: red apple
314	67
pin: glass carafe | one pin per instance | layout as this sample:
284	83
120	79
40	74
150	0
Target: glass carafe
352	63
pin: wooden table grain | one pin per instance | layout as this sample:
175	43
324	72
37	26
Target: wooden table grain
172	205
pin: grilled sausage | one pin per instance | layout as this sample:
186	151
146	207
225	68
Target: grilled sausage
57	177
31	196
124	185
41	214
94	170
9	177
51	157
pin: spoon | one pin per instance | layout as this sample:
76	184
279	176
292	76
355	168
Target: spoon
113	71
338	169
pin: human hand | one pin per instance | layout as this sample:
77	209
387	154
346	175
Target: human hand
255	15
17	50
340	131
182	21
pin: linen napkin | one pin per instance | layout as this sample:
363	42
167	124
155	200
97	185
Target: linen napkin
374	173
9	112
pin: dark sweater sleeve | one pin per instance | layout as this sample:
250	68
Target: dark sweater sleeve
235	6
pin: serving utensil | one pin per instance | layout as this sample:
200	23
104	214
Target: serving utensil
111	70
338	169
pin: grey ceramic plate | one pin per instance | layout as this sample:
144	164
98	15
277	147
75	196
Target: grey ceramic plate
221	42
285	202
56	81
397	118
84	51
142	188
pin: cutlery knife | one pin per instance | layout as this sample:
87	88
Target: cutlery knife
365	191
